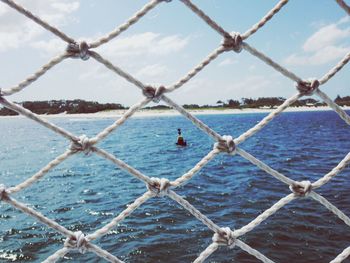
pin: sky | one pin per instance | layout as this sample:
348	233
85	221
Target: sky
307	37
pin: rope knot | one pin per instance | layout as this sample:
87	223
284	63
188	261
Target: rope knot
159	186
308	87
302	188
3	193
154	93
226	145
225	238
80	50
78	241
83	145
233	41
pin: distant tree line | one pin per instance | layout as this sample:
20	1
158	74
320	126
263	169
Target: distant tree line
263	102
81	106
61	106
342	101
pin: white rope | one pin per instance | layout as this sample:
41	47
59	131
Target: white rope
27	113
188	176
162	187
253	252
39	21
122	165
31	212
117	70
265	167
35	76
192	118
267	119
270	62
197	69
41	173
262	217
103	134
330	207
88	247
57	255
135	18
336	170
206	253
343	5
342	114
210	22
195	212
131	208
336	69
342	256
265	19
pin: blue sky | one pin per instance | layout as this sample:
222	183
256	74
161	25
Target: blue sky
308	37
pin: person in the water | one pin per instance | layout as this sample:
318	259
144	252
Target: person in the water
180	139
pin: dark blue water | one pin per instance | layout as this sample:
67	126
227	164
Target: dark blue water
86	192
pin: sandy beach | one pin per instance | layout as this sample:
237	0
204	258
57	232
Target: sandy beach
171	112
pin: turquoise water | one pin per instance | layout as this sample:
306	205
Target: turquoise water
86	192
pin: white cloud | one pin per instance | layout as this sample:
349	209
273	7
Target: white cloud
344	20
325	37
252	67
320	57
12	38
227	62
16	30
205	90
66	7
96	72
3	9
327	44
155	70
50	47
145	43
250	84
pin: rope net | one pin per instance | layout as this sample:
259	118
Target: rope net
162	187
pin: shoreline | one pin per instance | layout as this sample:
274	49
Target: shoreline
171	112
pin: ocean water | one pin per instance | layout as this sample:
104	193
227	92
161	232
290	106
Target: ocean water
86	192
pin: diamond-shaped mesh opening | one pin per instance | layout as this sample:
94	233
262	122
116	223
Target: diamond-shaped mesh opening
162	187
125	143
26	240
86	81
299	157
137	240
232	81
26	41
317	234
145	52
27	160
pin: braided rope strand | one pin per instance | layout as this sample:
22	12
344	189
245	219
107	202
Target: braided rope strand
336	69
197	69
34	77
265	19
343	5
267	119
41	173
135	18
39	21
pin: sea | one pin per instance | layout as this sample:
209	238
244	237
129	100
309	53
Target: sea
86	192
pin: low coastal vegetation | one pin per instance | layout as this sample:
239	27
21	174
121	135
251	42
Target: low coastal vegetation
259	103
63	106
81	106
